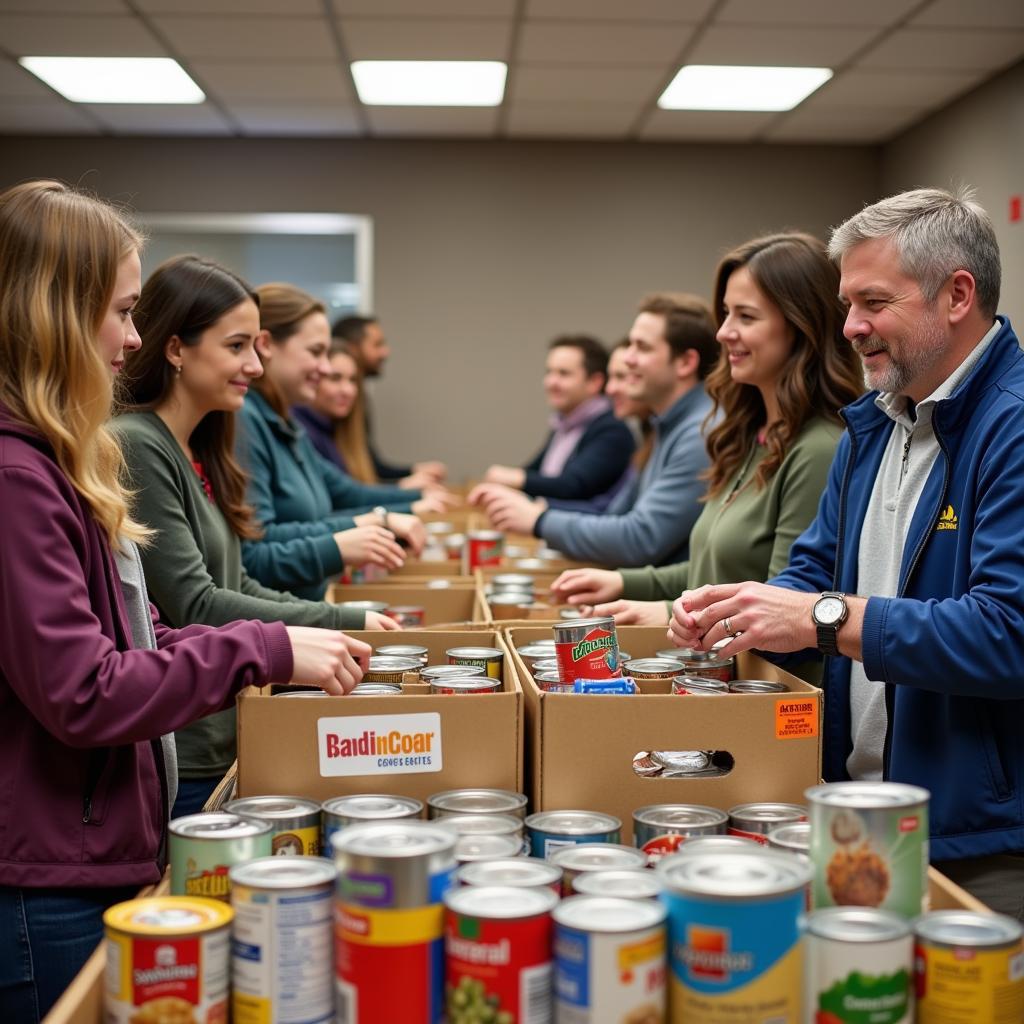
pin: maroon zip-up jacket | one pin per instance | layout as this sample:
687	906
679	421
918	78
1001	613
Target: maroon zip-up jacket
82	787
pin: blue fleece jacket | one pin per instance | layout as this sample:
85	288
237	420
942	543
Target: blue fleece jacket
950	647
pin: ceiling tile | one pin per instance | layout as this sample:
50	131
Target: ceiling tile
43	117
946	50
423	39
877	13
433	121
438	8
863	88
705	125
615	10
601	43
161	119
72	36
856	126
296	8
273	80
297	119
595	85
254	38
16	82
797	47
589	120
955	13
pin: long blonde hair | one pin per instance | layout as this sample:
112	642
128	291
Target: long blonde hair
59	254
350	432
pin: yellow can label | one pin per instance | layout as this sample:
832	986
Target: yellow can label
965	986
297	841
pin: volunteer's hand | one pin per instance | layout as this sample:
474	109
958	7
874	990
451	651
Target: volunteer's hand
410	529
435	500
437	471
418	482
588	586
507	509
633	613
371	545
327	658
510	476
375	620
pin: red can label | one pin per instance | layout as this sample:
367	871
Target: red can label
485	550
758	837
498	970
595	656
662	846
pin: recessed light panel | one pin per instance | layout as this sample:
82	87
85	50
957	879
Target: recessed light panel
116	79
728	87
430	83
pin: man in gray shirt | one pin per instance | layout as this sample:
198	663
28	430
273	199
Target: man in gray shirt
671	348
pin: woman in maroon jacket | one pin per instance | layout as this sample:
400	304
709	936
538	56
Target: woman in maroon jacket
85	779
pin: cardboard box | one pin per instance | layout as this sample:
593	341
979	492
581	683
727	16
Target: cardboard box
318	747
580	749
460	602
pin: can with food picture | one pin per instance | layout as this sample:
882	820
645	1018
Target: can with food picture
408	616
204	846
476	847
485	547
859	967
969	967
622	883
584	858
341	811
586	649
295	821
490	659
465	685
498	952
168	959
707	664
734	934
389	920
609	960
417	652
385	669
660	829
518	872
755	821
869	845
282	962
549	831
476	801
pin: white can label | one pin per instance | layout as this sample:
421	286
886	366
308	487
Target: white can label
379	745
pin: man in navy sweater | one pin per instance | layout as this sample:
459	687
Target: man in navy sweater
588	450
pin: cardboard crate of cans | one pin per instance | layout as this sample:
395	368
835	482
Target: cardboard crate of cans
412	744
581	749
416	605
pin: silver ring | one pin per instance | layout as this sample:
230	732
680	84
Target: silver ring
728	626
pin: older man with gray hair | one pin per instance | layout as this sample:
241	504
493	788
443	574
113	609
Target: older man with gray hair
911	578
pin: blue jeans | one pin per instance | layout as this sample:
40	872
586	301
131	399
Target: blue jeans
46	935
192	794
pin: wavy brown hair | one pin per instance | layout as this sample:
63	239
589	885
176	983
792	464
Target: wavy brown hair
350	432
821	375
183	298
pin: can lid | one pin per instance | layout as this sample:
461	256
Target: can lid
486	847
474	652
968	928
685	654
626	883
867	795
521	872
767	811
372	805
720	842
403	837
375	690
607	623
608	914
217	825
757	686
572	823
664	666
283	872
469	684
856	924
386	663
450	671
477	801
733	874
597	856
366	606
168	915
513	581
483	824
402	650
500	901
679	814
272	807
794	835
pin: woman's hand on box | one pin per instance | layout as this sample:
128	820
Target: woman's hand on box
589	586
375	620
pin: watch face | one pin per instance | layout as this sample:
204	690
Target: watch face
828	611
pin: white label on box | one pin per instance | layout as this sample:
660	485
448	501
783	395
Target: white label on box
379	744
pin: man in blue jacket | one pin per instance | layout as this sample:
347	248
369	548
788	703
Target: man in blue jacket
588	450
911	578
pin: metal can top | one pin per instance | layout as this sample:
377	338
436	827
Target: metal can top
529	563
474	652
485	535
477	801
565	631
720	842
679	815
681	760
608	914
483	824
373	805
480	848
386	663
598	856
450	671
867	795
511	597
573	823
739	874
512	581
685	654
625	883
217	825
757	686
501	902
520	872
283	872
545	665
794	835
375	690
169	915
538	649
406	609
856	924
766	811
653	666
468	684
966	928
271	808
365	606
402	651
438	527
551	675
403	837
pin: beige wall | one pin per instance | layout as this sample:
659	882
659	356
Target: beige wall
485	250
977	141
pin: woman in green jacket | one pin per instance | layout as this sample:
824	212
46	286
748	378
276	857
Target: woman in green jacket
784	373
199	324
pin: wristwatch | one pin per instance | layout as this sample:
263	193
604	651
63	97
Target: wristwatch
829	613
382	514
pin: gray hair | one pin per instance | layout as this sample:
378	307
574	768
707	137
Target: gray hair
935	233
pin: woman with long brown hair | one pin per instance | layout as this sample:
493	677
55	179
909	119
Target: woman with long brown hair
784	372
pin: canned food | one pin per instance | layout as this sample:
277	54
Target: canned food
512	581
969	967
454	545
755	821
483	824
462	685
365	606
408	616
384	669
167	960
439	528
295	691
587	649
794	837
545	665
586	857
719	842
734	934
439	673
478	848
652	669
553	830
622	883
700	686
498	950
476	801
707	664
869	845
535	651
859	967
485	547
757	686
376	690
296	822
341	811
389	920
282	962
203	847
490	659
609	960
552	682
414	651
520	872
660	829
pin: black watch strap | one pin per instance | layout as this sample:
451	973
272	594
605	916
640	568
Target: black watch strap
828	640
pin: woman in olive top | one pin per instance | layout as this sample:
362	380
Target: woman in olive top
784	373
199	325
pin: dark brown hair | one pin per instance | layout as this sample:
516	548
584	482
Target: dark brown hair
689	323
183	298
822	373
595	355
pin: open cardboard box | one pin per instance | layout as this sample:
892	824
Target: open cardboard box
320	747
461	602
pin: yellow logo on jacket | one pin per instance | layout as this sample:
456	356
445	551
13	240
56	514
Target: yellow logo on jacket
948	520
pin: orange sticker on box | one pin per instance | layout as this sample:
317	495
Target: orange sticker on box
796	719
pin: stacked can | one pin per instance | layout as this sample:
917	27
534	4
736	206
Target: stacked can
490	659
296	822
485	547
476	801
517	872
550	831
417	652
204	846
341	811
584	858
660	829
587	649
706	664
755	821
389	921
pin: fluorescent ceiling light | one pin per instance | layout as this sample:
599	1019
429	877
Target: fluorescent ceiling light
724	87
430	83
116	79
